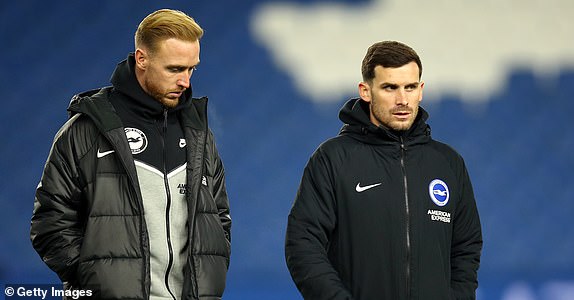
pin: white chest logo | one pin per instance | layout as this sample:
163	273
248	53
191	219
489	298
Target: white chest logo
102	154
136	139
360	188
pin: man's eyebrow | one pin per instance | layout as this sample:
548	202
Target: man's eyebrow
388	84
394	85
181	66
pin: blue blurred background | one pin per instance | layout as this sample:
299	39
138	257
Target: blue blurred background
271	106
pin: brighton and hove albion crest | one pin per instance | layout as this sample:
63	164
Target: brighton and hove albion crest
439	193
136	139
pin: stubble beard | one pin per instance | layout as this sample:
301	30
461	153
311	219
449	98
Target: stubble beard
387	119
161	97
169	102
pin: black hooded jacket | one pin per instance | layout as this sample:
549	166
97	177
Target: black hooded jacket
381	214
89	224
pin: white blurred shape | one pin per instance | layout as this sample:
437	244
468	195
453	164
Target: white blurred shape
518	291
558	290
467	47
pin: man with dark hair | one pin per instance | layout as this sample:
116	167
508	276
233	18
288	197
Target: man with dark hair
132	202
383	211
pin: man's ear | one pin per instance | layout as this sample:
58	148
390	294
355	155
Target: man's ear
422	88
365	91
141	57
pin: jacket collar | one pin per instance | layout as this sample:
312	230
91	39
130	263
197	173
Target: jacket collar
96	103
355	116
142	104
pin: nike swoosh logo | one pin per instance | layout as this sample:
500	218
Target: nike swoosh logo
360	188
102	154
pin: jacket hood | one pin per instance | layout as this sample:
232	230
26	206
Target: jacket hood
124	80
95	104
355	115
102	104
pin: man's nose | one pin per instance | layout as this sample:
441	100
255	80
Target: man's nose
183	81
401	97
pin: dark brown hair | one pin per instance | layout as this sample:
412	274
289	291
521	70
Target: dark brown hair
388	54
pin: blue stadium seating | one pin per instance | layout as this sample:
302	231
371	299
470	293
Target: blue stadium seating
518	145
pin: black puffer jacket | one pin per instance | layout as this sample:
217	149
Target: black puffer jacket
88	223
384	215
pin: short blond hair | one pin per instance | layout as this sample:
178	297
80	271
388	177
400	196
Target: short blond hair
164	24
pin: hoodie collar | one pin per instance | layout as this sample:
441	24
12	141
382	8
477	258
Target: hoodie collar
124	80
355	114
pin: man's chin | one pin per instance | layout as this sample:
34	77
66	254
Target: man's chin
170	102
401	126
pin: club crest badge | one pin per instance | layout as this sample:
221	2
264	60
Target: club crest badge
438	192
136	139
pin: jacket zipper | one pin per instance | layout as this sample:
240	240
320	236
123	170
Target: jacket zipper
168	205
408	229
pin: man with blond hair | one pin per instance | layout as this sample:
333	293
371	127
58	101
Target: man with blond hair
132	201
